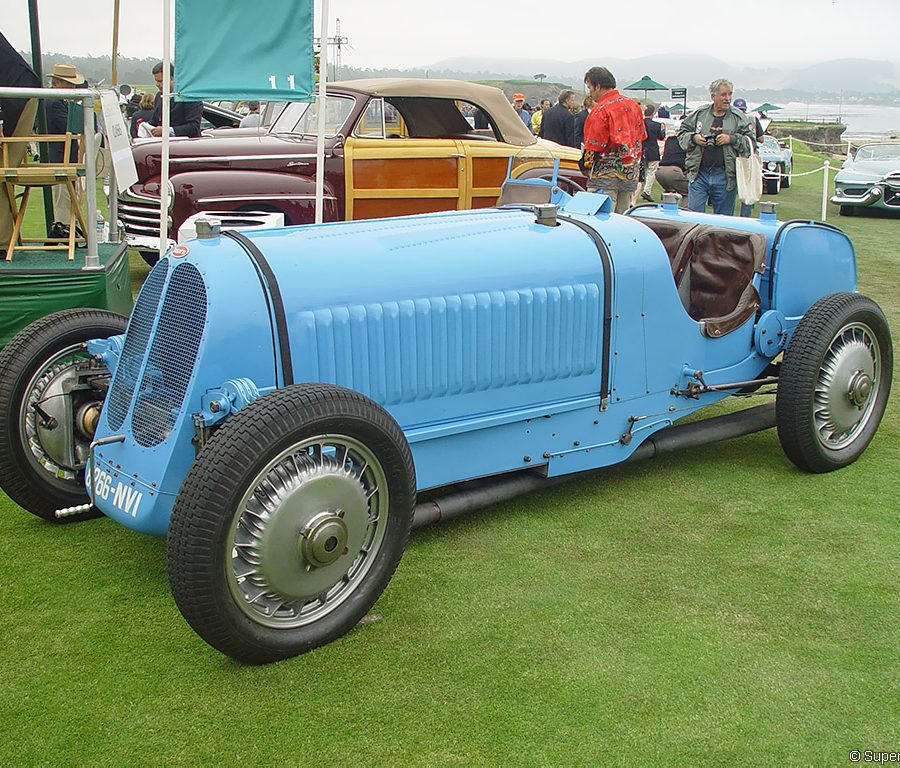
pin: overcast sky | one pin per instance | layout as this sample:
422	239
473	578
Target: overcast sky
407	33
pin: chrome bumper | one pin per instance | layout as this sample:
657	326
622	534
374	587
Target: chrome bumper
146	243
867	199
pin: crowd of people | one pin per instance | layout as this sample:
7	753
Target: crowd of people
620	143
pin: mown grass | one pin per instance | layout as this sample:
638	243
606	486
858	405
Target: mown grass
713	607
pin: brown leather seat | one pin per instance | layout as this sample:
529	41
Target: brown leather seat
713	269
715	283
673	235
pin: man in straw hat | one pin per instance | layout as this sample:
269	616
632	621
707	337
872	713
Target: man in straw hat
58	110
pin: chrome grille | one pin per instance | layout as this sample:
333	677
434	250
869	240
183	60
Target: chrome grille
139	214
139	328
170	362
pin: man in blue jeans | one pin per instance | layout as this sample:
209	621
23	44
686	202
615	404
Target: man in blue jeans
712	138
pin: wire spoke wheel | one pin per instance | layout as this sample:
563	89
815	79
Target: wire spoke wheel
51	396
834	382
39	430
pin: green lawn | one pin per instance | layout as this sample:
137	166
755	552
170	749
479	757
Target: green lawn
714	607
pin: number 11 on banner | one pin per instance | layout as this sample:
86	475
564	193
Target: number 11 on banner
290	79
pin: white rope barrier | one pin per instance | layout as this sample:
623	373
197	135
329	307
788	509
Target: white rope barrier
824	169
860	143
805	173
822	143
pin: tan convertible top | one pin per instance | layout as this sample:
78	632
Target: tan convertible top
490	99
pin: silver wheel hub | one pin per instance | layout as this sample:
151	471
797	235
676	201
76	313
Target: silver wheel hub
847	387
307	531
324	539
860	388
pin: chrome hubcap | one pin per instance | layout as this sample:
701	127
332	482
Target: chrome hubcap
307	531
848	386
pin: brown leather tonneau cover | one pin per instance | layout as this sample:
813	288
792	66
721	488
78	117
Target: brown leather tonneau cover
713	269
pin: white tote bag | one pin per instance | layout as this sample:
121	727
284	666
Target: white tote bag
749	176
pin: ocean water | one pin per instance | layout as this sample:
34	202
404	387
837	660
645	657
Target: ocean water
862	120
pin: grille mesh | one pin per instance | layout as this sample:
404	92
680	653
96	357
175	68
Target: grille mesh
172	356
139	328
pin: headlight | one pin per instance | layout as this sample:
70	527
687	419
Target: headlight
771	166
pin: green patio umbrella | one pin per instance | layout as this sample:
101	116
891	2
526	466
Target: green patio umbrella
646	83
767	107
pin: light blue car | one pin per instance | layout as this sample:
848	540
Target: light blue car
279	398
869	179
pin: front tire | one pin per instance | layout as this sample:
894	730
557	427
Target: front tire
786	177
835	381
42	450
291	522
847	210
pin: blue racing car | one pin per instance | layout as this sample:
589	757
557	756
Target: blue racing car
276	401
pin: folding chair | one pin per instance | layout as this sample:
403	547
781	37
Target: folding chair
32	174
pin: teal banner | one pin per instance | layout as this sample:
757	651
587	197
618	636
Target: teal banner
244	49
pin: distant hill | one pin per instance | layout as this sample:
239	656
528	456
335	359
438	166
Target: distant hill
822	80
696	71
97	68
848	75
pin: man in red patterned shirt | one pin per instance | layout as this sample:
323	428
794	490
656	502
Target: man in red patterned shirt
613	133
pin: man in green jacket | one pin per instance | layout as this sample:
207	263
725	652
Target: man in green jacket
713	136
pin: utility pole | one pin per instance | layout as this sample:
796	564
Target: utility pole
336	42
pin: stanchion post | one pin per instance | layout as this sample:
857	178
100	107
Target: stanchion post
112	201
91	260
791	142
825	191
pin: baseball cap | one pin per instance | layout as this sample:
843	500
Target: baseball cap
740	104
518	96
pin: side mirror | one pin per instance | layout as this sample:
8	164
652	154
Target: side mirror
338	148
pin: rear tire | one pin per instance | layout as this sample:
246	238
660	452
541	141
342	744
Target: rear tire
835	381
291	522
35	363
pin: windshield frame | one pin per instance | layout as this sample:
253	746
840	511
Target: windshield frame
869	152
295	111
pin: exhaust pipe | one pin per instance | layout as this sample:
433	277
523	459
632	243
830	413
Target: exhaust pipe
482	492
